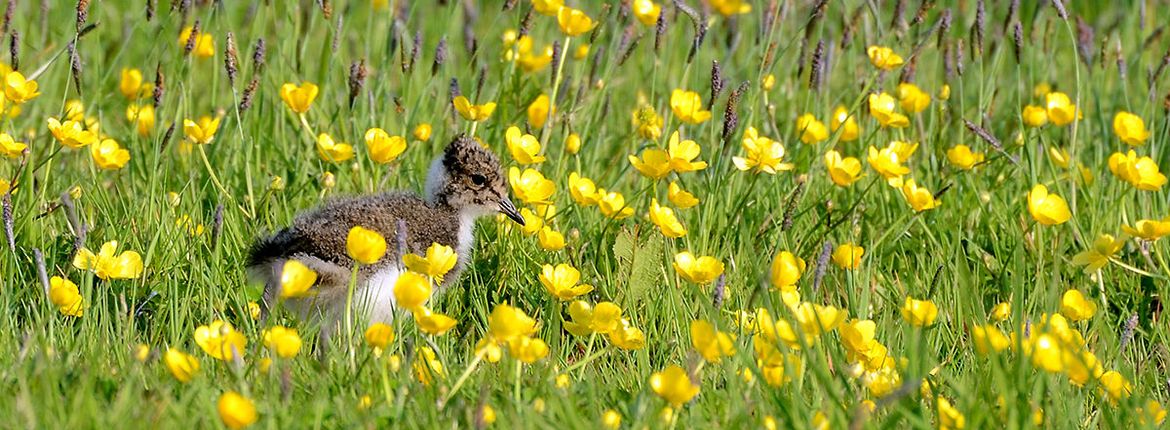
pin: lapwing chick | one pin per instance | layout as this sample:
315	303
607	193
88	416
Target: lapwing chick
463	183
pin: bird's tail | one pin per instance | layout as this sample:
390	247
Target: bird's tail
272	247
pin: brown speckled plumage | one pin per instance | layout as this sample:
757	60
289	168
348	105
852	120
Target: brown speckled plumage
464	183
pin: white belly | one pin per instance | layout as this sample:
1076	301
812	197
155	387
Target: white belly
374	301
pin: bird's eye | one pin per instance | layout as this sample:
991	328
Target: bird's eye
478	180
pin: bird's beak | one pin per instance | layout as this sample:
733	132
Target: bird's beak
509	209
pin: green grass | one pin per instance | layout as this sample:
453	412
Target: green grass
979	248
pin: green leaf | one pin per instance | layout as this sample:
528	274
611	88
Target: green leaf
637	265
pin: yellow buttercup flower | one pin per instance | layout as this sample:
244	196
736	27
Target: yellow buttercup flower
912	98
613	205
843	171
299	98
573	143
532	222
786	270
1152	413
142	116
130	84
919	198
379	335
1000	312
427	366
811	130
422	132
561	281
10	147
524	147
574	22
948	416
1130	128
236	411
654	163
202	132
841	117
473	112
1060	109
700	270
887	163
1080	366
711	343
682	154
815	319
19	90
761	154
283	341
220	340
64	294
903	149
680	197
1141	172
204	43
108	155
528	349
1115	385
1098	255
71	133
1047	209
882	382
547	7
332	151
530	186
433	323
603	318
673	385
530	59
1149	229
612	419
688	106
664	218
507	323
881	107
627	337
646	12
108	265
411	291
919	313
962	157
848	256
647	122
768	82
383	147
439	260
1059	156
539	111
583	190
74	109
295	279
550	240
988	338
1035	116
1075	307
858	335
883	58
364	245
730	7
183	366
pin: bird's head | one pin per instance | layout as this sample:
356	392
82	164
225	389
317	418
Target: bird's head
468	178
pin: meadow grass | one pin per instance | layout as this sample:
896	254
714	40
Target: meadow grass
192	211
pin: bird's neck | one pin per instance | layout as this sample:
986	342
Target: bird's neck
436	179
